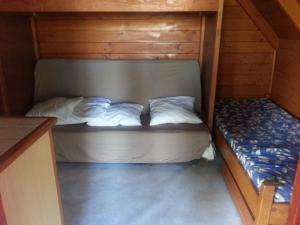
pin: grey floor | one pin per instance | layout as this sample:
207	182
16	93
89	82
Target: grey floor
119	194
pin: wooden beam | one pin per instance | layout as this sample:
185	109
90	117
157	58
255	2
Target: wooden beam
215	66
260	22
108	6
294	211
292	8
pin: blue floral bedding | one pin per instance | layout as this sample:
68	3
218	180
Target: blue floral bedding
265	139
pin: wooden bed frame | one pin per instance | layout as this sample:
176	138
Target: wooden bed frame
255	208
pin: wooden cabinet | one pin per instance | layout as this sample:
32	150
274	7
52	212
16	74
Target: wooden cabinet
28	180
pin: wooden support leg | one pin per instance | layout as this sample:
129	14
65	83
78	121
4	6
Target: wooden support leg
266	196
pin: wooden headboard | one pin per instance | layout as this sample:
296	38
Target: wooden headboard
118	35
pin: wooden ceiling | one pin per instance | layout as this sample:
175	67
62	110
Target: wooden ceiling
278	18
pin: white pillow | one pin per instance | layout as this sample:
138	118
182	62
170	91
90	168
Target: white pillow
178	109
124	114
91	107
61	108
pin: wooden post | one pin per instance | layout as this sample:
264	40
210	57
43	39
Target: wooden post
294	211
266	195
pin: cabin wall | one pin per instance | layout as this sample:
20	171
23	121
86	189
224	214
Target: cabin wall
119	35
17	63
286	83
246	58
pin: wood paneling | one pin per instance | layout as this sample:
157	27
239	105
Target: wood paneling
260	22
119	36
246	59
292	8
286	82
279	20
107	5
17	57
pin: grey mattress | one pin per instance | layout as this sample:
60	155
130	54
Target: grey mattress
160	144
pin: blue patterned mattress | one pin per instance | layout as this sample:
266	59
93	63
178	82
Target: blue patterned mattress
265	139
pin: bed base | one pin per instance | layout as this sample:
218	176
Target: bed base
255	208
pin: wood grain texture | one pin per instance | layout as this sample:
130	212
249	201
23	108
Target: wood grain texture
17	56
239	180
292	8
215	65
240	176
266	196
294	212
286	82
260	22
119	36
279	20
17	134
28	187
246	58
237	196
107	5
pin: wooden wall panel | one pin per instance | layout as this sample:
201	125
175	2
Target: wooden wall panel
107	5
119	36
17	57
286	82
246	58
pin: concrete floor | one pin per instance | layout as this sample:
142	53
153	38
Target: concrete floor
120	194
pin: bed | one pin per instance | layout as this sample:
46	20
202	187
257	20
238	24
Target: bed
260	144
134	81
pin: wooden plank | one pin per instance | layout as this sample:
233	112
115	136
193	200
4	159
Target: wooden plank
238	24
237	196
107	5
239	174
122	48
235	68
247	58
246	47
294	211
80	24
215	65
285	88
266	195
244	80
242	36
243	91
292	8
279	213
118	36
120	56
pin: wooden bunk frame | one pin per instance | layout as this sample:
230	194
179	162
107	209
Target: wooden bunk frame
254	207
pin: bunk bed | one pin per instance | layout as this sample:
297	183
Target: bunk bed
260	145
